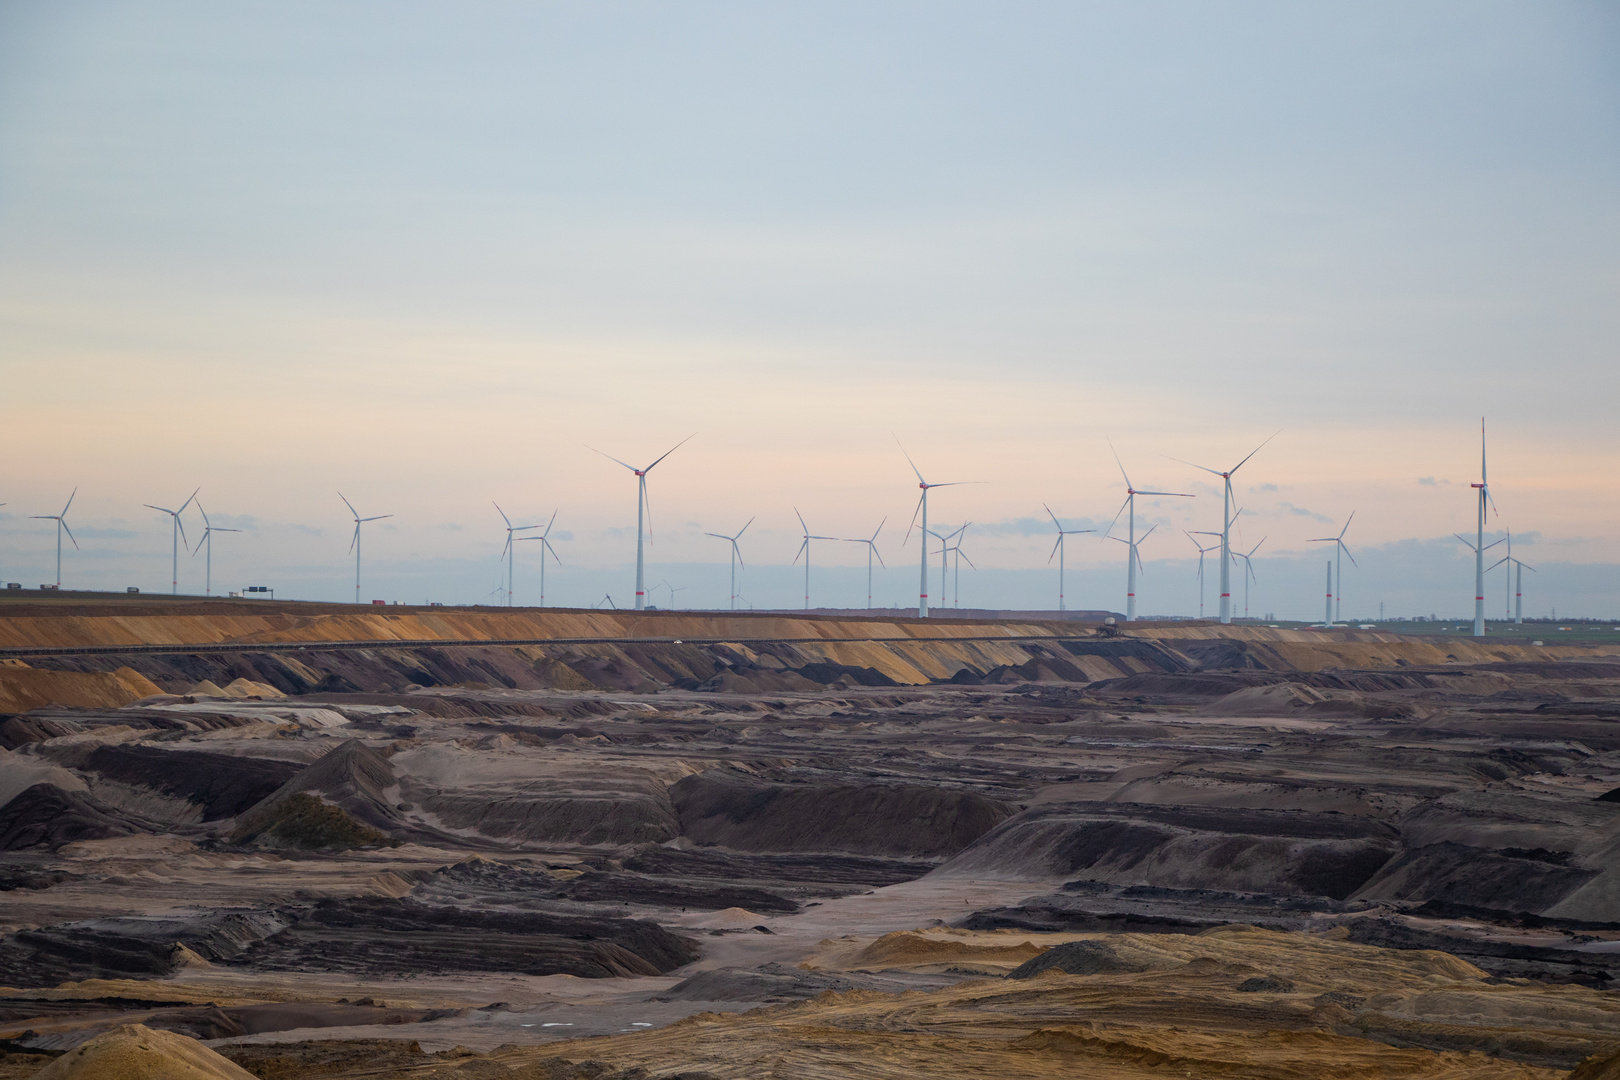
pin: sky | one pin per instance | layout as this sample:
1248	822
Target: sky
430	255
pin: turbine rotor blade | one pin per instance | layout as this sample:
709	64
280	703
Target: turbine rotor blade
670	451
610	457
1053	516
1211	472
1343	547
1253	452
1118	512
62	521
743	530
71	497
350	505
501	512
913	464
1177	494
188	501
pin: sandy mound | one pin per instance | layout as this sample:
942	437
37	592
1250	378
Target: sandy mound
247	688
134	1052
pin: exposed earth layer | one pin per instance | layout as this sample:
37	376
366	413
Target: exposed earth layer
329	842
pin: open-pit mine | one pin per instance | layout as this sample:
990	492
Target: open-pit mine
298	841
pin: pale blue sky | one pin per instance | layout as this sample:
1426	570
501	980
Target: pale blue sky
424	252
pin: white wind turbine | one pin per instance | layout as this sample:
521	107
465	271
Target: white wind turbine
1479	545
354	545
507	550
178	531
1133	557
736	557
61	527
1058	551
643	513
1340	550
922	509
1516	569
209	529
1202	551
956	548
944	560
1248	572
545	546
871	550
1226	525
804	549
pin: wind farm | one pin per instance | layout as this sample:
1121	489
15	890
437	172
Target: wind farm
739	782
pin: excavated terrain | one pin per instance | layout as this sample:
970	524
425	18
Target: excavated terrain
325	842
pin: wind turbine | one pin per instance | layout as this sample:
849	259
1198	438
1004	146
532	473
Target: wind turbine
61	527
1133	558
545	546
1226	525
956	585
804	549
1202	551
209	529
1479	545
507	550
944	557
871	550
178	532
922	509
1515	567
1057	550
354	545
672	591
1248	575
736	557
643	512
1340	550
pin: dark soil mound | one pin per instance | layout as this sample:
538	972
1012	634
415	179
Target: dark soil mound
302	821
1076	958
47	816
1504	881
1610	796
351	779
222	784
375	937
772	982
1281	853
1266	984
746	814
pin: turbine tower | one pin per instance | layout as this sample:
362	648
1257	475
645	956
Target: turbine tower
1484	487
178	532
804	549
1057	550
944	557
922	509
736	557
871	550
956	584
507	550
545	546
1133	558
1340	550
1202	551
209	529
61	527
1248	574
1226	526
1516	569
1327	616
643	513
354	545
